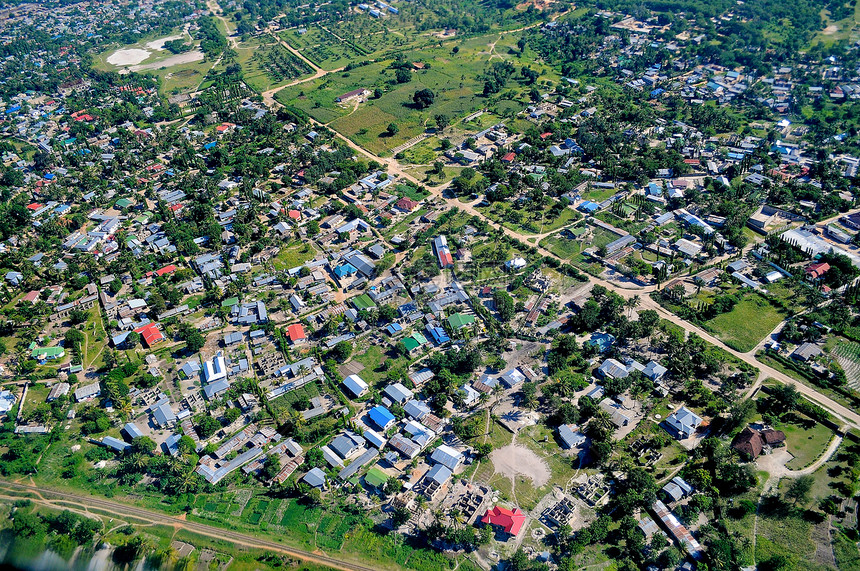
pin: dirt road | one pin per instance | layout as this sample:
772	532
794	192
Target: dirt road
849	417
48	496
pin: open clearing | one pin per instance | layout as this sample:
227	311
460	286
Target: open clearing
128	56
178	59
514	460
747	324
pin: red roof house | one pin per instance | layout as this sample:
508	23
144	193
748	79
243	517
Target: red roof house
509	158
815	271
296	333
406	204
169	269
294	214
150	333
32	297
507	520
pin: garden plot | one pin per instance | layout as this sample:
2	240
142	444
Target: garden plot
847	354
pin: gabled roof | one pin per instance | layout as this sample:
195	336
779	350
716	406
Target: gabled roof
509	520
296	332
684	421
381	416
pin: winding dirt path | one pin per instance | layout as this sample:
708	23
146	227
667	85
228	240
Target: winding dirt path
153	517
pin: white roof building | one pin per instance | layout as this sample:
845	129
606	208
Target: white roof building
215	369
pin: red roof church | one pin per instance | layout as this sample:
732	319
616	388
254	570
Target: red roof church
511	522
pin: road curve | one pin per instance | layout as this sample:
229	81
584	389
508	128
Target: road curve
121	509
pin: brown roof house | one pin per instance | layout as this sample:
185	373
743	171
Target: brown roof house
751	442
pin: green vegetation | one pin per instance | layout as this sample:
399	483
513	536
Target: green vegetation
747	324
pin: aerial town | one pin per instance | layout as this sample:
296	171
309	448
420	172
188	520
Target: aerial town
430	286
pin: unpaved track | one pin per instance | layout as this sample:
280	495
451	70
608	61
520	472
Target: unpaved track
125	510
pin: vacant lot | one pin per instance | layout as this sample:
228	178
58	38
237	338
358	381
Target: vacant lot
293	255
454	79
806	440
747	324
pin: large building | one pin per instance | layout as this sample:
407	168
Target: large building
443	254
215	369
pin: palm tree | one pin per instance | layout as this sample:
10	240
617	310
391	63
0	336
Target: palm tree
497	393
632	304
602	420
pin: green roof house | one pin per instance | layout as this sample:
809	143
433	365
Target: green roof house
376	477
363	302
49	353
460	320
230	302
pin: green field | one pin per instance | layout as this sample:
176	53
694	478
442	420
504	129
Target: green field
293	255
322	48
455	80
266	64
747	323
527	222
806	440
571	249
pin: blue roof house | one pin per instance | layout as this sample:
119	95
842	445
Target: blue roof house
381	417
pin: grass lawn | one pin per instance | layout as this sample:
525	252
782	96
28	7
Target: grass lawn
747	324
404	223
529	222
785	535
806	440
282	406
846	552
424	152
377	364
455	81
294	255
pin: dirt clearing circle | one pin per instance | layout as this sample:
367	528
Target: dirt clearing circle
513	460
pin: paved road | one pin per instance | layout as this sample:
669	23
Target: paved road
45	495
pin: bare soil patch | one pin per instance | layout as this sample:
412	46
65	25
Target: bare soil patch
514	460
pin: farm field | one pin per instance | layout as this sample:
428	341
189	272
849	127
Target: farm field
267	64
847	354
747	324
454	79
322	47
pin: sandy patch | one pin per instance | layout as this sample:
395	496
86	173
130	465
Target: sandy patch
128	56
187	57
513	460
830	30
159	44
